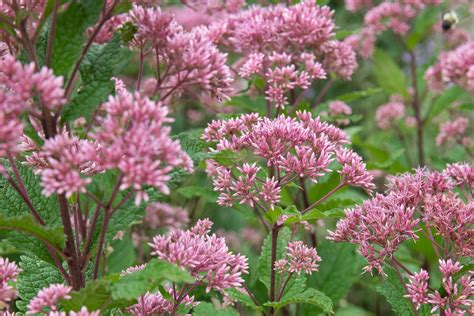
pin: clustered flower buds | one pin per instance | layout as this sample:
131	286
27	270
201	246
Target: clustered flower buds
388	113
294	147
8	274
456	297
204	256
380	225
299	258
163	215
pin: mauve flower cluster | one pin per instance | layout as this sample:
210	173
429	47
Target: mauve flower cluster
388	113
163	215
156	304
456	66
456	297
8	273
337	108
47	299
454	131
132	138
412	204
289	47
299	258
186	59
19	84
204	256
394	15
292	147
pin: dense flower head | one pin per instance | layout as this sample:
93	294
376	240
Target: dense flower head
164	215
387	113
205	256
455	66
299	258
48	298
339	108
64	163
8	274
288	46
19	84
413	202
134	139
296	147
454	131
156	304
456	297
190	59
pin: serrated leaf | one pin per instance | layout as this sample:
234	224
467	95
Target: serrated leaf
71	26
36	274
97	69
388	74
132	286
208	309
338	270
394	292
310	296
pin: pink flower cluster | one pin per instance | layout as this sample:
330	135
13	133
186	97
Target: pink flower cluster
205	256
388	113
456	299
163	215
47	299
299	258
412	204
132	138
19	84
294	147
8	273
187	59
454	131
289	47
337	108
456	66
394	15
156	304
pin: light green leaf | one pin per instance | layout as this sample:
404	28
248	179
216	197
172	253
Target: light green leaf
132	286
339	269
35	275
243	298
71	26
26	224
198	191
445	100
394	292
356	95
310	296
388	75
97	69
208	309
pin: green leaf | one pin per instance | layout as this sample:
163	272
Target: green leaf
243	298
445	100
265	260
394	292
71	26
388	75
35	275
198	191
208	309
338	270
356	95
123	254
97	69
26	224
310	296
95	296
132	286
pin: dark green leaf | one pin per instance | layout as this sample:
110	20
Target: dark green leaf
394	292
388	75
310	296
208	309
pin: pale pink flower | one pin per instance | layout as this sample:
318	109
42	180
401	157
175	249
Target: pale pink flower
134	139
164	215
156	304
84	312
299	258
133	269
48	298
462	173
8	274
417	289
354	170
388	113
339	108
452	131
205	256
356	5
